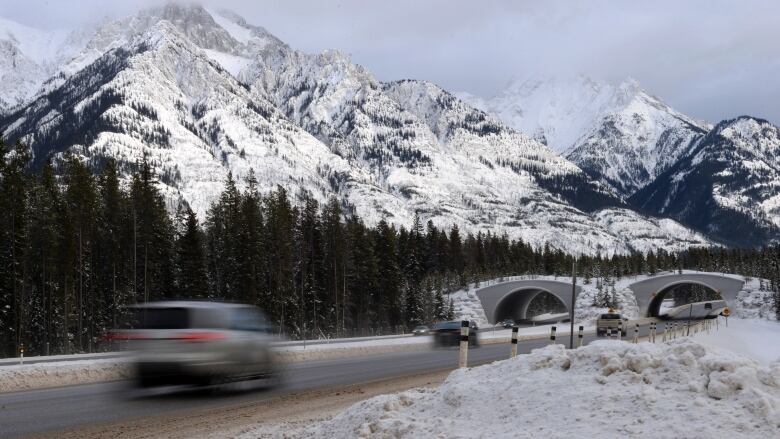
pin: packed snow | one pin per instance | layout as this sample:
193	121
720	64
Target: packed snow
751	338
22	377
681	388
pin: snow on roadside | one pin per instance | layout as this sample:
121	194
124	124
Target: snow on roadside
62	373
607	389
752	338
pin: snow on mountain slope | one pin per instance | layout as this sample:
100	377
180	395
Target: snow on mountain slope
203	93
554	111
728	186
447	172
646	233
29	56
617	133
161	96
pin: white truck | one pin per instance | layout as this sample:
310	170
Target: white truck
611	322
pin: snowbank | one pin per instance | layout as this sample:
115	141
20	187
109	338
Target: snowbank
752	338
606	389
61	373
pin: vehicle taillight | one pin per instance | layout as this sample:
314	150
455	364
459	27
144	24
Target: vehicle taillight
122	335
201	336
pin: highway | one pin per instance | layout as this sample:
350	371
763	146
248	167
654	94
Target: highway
52	410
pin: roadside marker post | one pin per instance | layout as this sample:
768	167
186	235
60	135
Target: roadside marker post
552	335
464	343
21	354
579	336
620	330
514	341
636	333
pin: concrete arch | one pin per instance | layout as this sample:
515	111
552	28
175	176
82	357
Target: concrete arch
653	307
514	297
647	291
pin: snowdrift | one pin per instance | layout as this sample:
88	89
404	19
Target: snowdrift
606	389
62	373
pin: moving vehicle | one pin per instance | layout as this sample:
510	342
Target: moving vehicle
611	321
508	323
421	330
448	334
199	343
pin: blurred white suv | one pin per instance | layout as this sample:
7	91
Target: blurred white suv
199	343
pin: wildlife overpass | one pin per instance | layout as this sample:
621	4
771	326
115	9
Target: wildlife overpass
510	299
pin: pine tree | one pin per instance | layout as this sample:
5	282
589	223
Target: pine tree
334	260
251	257
282	300
82	202
389	281
152	237
13	244
43	303
114	236
191	278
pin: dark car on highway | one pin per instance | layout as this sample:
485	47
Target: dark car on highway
508	323
421	330
448	334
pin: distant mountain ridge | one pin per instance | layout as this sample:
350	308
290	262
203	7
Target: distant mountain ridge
202	93
728	186
618	133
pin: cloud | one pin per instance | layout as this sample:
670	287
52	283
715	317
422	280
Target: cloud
712	59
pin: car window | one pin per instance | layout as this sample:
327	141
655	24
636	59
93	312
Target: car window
250	319
159	318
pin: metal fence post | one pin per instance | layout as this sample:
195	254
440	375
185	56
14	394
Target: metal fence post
464	343
552	335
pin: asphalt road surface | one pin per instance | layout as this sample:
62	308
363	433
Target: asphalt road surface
50	410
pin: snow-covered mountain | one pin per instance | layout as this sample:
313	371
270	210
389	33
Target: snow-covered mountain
728	186
618	133
31	56
202	93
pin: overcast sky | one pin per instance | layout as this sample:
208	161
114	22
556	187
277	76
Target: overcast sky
711	59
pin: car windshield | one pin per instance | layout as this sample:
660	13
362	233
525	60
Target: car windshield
418	328
610	316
